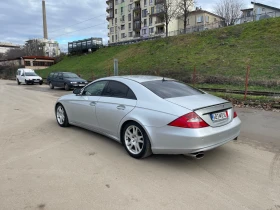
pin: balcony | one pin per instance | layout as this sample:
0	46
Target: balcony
137	18
137	8
159	1
157	12
109	17
136	26
109	8
159	22
108	1
160	32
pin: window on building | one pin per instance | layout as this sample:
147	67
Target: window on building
145	22
112	29
150	21
144	13
27	63
207	19
123	35
116	29
151	2
116	2
116	38
144	31
188	21
129	26
151	30
129	17
123	18
145	3
112	21
121	10
130	34
199	19
116	11
122	1
263	9
122	27
215	19
112	38
116	20
152	10
129	7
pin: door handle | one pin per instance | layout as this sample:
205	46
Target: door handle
92	103
121	107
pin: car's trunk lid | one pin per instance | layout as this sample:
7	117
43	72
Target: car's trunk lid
206	105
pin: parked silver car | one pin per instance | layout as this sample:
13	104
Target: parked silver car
151	115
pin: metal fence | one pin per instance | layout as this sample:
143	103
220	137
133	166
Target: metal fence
249	17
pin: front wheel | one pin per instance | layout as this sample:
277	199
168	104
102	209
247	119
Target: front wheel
51	85
136	141
18	82
61	116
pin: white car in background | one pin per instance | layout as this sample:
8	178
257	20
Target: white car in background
28	76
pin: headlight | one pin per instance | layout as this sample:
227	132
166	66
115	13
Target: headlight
73	82
86	82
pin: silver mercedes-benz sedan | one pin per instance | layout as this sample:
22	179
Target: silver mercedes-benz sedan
151	115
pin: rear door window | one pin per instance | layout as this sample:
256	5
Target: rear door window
170	88
118	90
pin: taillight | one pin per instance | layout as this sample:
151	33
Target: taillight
234	114
191	120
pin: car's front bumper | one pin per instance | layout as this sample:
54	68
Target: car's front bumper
74	86
173	140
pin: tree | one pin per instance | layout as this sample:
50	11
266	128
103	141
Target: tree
229	9
185	7
169	10
15	53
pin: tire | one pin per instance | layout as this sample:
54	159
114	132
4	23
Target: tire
61	116
18	82
144	149
51	85
66	87
40	83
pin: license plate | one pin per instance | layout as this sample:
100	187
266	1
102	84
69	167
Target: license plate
81	85
219	116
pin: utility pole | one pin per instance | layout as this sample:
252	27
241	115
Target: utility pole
45	19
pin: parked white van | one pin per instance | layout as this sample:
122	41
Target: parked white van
28	76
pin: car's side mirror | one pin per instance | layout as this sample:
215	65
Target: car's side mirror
77	91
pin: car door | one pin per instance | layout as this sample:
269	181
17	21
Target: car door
60	81
53	79
82	107
116	102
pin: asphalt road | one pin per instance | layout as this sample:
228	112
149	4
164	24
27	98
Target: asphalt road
44	166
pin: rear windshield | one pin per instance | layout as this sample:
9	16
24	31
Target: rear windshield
170	88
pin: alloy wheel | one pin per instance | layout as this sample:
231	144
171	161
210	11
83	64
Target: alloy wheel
134	140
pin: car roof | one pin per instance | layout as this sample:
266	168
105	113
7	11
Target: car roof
140	78
31	70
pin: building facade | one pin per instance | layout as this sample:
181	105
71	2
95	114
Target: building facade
200	20
42	47
258	12
30	62
135	19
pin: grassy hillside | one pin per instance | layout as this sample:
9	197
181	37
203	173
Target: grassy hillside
220	56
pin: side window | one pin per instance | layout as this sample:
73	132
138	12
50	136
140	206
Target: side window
95	89
118	90
55	75
60	76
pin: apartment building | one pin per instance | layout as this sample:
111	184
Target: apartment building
134	19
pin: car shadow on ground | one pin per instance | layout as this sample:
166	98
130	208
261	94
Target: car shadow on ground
172	161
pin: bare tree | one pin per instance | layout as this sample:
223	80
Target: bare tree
229	9
185	7
15	53
167	10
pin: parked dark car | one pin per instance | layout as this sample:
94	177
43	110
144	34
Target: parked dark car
67	80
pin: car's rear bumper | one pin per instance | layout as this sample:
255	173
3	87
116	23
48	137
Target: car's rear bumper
173	140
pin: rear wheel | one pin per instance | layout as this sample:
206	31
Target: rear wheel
51	85
136	141
66	87
61	116
18	82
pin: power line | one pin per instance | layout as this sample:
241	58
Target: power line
79	30
78	23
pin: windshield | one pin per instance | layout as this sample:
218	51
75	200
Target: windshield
28	74
170	88
70	75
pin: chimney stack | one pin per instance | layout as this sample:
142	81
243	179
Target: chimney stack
45	20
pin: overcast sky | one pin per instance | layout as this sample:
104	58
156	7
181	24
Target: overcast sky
21	20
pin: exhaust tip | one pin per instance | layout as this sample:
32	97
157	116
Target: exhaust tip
199	156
